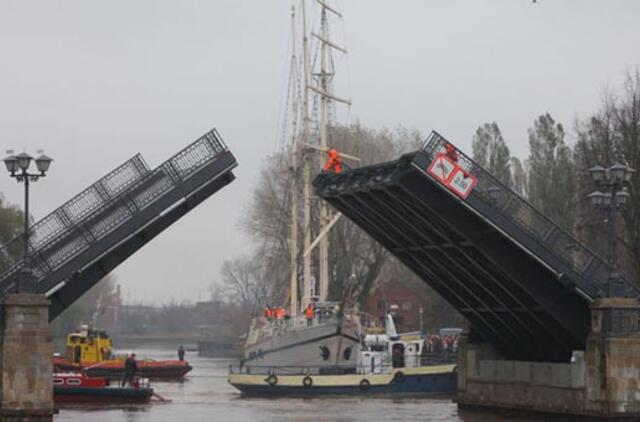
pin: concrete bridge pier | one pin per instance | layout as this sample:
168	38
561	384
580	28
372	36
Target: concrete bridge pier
26	387
601	381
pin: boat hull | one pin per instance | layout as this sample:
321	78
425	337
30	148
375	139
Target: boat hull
71	395
440	379
318	346
152	370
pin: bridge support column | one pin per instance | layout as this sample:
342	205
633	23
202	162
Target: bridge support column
613	358
601	381
26	389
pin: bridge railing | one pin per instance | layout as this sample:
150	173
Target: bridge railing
523	214
79	208
129	199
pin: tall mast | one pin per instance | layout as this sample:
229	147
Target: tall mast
324	242
294	170
306	299
326	96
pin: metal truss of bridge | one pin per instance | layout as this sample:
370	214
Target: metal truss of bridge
79	243
522	282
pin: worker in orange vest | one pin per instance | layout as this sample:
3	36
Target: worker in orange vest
280	313
334	162
451	152
309	314
268	313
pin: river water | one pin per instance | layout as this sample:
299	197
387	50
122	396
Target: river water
205	395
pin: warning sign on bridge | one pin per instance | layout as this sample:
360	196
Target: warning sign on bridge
450	174
461	183
442	168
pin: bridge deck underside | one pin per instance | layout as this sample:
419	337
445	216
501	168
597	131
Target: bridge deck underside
510	298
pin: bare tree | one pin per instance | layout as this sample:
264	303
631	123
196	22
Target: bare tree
354	257
611	135
491	152
243	282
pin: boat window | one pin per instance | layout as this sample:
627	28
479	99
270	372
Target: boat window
58	381
73	381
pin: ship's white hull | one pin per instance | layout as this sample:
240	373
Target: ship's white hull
321	345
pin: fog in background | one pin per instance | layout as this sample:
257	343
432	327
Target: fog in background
93	83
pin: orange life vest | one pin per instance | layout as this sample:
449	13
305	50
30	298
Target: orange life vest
451	152
334	162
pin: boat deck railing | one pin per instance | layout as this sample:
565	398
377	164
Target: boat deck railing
334	369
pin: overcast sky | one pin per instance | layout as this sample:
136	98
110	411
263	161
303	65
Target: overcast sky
94	82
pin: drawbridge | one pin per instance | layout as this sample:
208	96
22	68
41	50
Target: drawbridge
75	246
523	283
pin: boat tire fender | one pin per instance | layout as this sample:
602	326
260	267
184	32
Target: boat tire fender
307	381
365	384
399	377
272	380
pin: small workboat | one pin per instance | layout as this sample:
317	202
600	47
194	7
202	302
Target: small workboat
387	364
90	351
155	369
78	388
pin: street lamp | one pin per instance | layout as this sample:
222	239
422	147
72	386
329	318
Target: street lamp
18	168
612	195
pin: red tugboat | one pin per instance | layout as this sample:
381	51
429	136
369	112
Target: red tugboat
90	351
76	387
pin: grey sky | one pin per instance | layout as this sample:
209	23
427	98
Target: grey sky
95	82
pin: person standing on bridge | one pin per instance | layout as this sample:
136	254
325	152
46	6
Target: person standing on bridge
181	353
334	162
130	370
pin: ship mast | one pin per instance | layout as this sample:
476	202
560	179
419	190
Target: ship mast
294	170
324	91
306	263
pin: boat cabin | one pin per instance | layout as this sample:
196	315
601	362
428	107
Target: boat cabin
88	346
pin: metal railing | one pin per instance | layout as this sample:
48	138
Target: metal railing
79	208
340	369
523	214
108	204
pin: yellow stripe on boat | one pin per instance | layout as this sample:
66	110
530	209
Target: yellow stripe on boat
339	380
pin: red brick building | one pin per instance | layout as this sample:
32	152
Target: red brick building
404	304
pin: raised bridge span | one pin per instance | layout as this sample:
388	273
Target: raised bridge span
523	283
75	246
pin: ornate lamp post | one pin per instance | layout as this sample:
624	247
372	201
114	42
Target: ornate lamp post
18	166
612	194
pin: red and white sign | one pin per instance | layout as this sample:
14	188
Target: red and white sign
450	174
442	168
462	183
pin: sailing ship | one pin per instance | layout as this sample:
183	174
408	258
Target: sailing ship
389	363
315	332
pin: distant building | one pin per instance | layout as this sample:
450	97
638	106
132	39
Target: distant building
403	303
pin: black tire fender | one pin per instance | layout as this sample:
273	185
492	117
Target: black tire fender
307	381
364	384
399	377
272	380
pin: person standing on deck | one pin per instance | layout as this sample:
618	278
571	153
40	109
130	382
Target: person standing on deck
130	370
308	313
181	353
